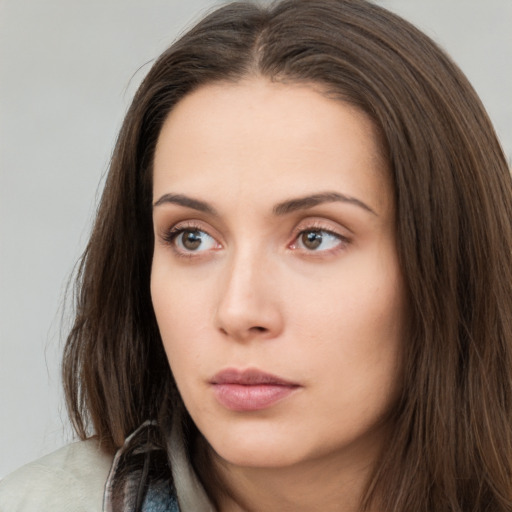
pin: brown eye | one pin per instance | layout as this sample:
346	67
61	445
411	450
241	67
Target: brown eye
311	239
319	240
193	240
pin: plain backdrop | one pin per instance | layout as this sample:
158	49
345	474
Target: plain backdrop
68	70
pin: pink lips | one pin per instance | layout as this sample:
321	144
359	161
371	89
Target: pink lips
250	390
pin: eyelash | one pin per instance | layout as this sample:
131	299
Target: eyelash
172	234
342	241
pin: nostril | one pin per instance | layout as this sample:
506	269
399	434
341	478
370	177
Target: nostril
258	329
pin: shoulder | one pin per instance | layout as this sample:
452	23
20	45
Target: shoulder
71	479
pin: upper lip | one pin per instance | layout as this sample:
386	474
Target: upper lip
249	377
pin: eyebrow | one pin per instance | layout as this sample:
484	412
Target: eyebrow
303	203
186	201
284	208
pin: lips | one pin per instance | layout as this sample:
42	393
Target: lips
250	390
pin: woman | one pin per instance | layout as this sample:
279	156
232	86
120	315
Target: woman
296	295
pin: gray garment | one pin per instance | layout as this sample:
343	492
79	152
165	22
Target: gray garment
81	478
71	479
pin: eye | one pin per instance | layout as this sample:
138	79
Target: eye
192	240
318	240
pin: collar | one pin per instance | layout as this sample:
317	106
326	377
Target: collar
146	477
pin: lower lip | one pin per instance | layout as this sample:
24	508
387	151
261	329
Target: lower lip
237	397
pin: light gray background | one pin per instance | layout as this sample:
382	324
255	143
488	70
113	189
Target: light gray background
68	69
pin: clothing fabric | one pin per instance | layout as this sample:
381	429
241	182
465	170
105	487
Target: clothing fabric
71	479
141	477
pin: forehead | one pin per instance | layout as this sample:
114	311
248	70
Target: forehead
256	136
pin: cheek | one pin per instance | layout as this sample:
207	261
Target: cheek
174	296
366	304
352	329
181	313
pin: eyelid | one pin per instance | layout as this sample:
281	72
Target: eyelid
319	225
169	235
170	228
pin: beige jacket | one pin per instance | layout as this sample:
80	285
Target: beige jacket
81	478
71	479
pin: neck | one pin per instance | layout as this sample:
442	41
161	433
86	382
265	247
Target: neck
321	484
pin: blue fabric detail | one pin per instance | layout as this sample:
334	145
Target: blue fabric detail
158	499
140	478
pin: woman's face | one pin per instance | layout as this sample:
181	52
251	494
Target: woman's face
275	277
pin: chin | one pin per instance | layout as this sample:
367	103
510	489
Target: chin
255	457
257	449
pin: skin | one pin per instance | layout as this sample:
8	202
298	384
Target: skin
256	293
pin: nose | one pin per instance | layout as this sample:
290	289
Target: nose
248	306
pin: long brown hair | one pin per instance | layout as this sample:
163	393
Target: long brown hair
451	448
